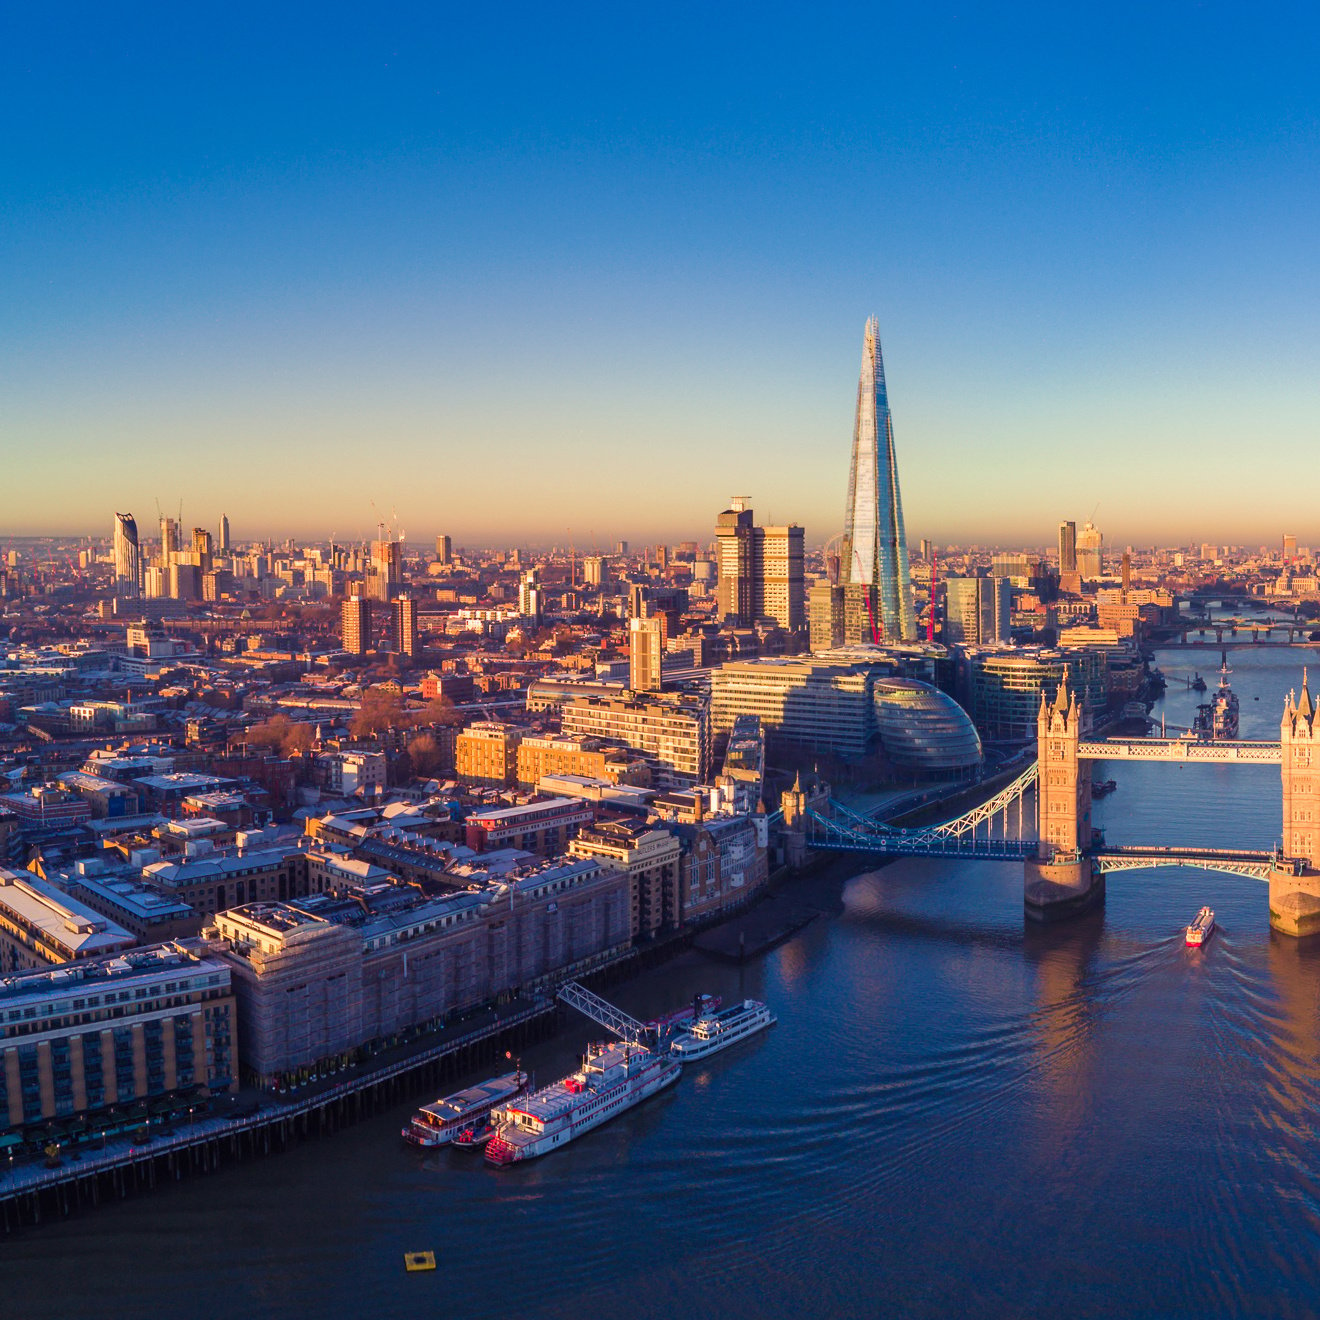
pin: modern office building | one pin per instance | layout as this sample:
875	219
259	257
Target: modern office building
128	558
222	541
1002	688
875	574
1067	547
843	705
670	731
825	613
646	649
355	622
125	1034
760	569
444	550
977	611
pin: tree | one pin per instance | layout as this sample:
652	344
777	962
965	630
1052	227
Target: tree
281	735
380	710
424	753
441	710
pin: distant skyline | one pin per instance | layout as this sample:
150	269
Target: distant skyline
512	272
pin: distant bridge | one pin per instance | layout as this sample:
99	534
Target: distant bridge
1235	861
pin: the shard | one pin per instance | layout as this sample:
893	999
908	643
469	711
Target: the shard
877	582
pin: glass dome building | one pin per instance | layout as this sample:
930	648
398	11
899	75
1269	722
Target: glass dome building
923	730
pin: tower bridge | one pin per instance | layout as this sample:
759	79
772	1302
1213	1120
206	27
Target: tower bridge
1065	860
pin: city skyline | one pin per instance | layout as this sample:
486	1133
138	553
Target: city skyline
297	288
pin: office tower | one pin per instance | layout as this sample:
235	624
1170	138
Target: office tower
1127	572
621	547
825	616
386	572
760	569
977	610
595	572
646	647
1090	559
926	549
1209	553
222	542
403	632
169	540
1067	547
128	558
185	581
355	618
444	550
878	588
1289	547
734	557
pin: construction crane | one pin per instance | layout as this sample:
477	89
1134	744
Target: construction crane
602	1011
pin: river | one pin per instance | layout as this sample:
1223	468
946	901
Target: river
958	1113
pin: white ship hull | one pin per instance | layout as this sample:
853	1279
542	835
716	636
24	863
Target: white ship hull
712	1035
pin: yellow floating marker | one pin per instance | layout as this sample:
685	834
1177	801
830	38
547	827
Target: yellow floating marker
418	1260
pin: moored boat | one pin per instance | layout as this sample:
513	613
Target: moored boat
439	1123
613	1078
1202	927
717	1031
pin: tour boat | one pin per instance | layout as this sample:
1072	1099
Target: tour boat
613	1078
680	1019
717	1031
1201	928
439	1123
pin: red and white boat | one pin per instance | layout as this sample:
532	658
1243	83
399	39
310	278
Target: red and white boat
613	1078
1202	927
440	1123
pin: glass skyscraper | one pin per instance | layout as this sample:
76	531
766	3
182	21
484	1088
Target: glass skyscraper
877	583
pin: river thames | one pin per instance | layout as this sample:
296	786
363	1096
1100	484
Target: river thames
958	1113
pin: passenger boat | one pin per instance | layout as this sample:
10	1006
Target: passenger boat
717	1031
613	1079
682	1018
1201	928
439	1123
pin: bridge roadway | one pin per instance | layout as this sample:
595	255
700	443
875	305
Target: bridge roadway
1234	861
1179	749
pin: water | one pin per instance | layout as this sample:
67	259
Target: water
958	1113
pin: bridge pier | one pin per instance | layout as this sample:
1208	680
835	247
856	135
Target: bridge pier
1295	900
1061	887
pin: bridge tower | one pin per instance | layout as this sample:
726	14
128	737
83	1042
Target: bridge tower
1295	881
1059	880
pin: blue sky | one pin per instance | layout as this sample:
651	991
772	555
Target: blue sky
517	271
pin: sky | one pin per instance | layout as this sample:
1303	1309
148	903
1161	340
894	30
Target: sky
533	274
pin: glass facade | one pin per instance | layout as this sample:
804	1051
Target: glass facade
875	551
923	730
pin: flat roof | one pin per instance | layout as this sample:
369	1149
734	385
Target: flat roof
62	920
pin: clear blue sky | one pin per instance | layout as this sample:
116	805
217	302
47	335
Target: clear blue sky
518	269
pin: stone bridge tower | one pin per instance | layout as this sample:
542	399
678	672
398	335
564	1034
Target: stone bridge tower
1060	881
1295	880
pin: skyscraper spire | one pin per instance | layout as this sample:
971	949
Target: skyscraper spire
875	544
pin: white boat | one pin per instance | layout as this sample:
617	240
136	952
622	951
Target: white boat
1202	927
613	1078
439	1123
717	1031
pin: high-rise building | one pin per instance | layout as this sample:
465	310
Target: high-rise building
977	610
128	558
403	631
1067	547
621	547
531	603
202	548
222	541
595	572
646	648
1289	547
877	582
355	619
1127	572
760	569
169	540
444	550
825	611
1090	555
386	571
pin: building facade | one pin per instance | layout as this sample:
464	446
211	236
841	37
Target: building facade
671	732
